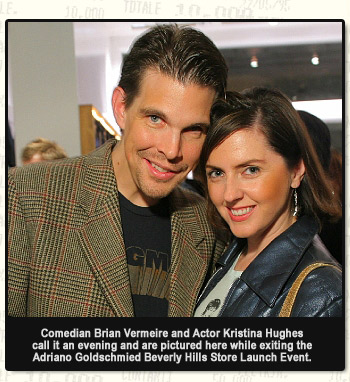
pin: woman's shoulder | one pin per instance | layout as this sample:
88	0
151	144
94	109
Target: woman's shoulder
320	293
317	252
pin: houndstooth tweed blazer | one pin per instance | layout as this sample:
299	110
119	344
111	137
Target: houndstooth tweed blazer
66	255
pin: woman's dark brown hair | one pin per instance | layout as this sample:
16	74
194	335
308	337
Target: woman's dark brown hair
273	113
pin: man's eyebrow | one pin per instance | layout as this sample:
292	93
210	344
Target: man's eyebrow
160	114
150	111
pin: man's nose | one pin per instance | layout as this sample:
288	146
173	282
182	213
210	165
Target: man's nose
170	144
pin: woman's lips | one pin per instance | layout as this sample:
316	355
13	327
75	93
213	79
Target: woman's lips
240	214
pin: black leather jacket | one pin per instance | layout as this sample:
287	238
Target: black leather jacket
263	286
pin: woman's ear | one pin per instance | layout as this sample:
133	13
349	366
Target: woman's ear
298	174
118	103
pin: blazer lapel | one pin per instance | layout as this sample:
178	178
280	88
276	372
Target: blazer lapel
189	260
101	235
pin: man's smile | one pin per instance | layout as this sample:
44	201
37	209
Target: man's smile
160	172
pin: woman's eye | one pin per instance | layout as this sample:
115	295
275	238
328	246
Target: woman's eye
253	170
214	174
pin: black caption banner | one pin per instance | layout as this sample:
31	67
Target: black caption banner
175	344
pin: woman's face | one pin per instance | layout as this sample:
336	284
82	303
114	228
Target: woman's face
251	186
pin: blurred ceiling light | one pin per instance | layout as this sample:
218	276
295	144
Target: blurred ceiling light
103	122
315	59
254	62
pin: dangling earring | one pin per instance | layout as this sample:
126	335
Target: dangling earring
295	194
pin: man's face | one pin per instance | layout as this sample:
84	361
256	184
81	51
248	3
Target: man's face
163	132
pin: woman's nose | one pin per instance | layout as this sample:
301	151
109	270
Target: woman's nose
233	191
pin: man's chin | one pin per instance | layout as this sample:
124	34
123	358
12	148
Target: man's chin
158	194
159	190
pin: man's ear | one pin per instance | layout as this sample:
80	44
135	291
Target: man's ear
298	174
118	103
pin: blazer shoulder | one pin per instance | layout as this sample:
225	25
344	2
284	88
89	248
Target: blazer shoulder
34	176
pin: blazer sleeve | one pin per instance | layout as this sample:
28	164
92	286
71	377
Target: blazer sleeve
19	253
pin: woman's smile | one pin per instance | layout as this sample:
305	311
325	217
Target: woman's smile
251	185
240	214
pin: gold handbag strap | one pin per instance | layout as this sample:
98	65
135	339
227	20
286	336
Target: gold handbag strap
292	294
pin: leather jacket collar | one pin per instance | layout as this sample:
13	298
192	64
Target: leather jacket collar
267	274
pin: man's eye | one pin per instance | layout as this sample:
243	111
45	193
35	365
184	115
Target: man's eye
154	118
252	170
196	130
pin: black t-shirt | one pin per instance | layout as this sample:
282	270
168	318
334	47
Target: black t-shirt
147	237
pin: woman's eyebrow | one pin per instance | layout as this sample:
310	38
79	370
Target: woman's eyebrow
243	164
212	167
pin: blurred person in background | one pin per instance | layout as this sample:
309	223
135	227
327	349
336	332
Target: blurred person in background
336	174
331	161
332	233
40	150
10	147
